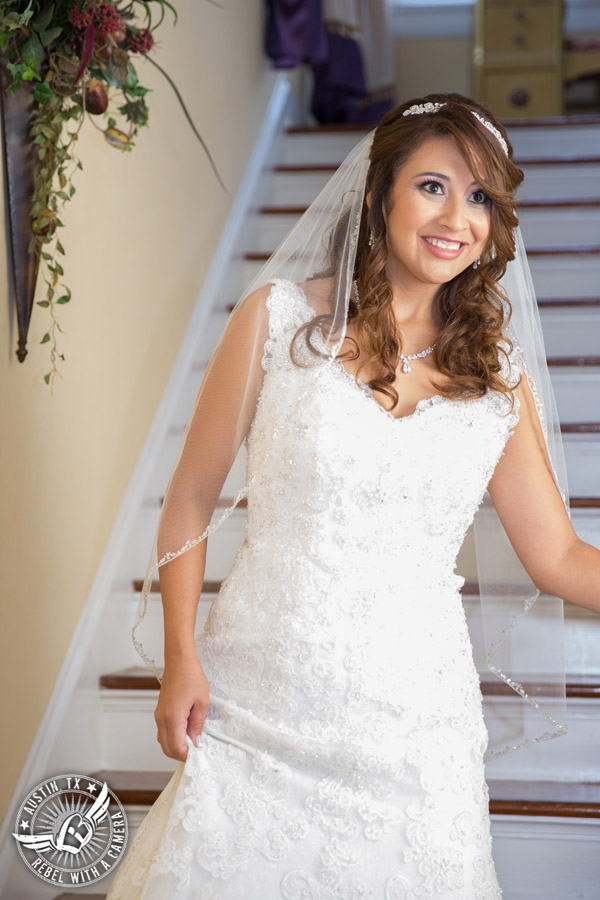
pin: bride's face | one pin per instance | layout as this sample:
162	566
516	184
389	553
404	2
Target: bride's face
435	196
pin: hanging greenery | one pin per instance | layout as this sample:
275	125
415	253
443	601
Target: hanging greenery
78	53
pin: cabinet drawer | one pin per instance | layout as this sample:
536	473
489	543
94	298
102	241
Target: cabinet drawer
541	90
521	29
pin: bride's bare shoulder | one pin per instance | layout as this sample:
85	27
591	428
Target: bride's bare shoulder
318	292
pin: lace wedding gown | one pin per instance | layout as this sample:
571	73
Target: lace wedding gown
342	754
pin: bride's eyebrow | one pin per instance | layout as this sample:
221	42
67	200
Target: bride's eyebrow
435	174
439	175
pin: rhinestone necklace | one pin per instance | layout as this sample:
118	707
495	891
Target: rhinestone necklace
405	359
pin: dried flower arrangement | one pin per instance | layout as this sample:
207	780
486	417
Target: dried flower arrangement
64	57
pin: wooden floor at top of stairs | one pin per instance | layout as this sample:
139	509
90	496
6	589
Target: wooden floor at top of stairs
516	122
556	160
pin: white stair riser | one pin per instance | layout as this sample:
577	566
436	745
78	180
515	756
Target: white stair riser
582	453
546	141
560	275
534	856
539	227
162	471
586	523
299	149
551	857
129	732
129	741
219	554
567	757
123	610
582	632
571	331
565	275
568	181
577	390
568	330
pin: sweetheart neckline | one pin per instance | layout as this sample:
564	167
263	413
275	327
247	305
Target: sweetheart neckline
361	386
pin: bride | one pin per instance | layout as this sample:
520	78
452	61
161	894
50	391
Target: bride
386	373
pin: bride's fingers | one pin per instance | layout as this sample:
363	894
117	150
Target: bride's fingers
197	719
171	737
176	731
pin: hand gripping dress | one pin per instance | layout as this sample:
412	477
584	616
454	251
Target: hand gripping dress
342	753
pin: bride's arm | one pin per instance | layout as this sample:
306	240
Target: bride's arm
224	407
534	517
222	414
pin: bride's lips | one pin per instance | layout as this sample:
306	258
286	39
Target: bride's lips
444	254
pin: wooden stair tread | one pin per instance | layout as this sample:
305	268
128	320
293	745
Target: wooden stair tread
469	588
208	587
80	896
532	798
225	502
573	360
556	302
557	160
576	502
545	798
545	250
543	302
580	427
524	204
132	678
135	788
140	678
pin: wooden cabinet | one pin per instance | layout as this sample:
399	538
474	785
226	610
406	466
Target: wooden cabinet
517	57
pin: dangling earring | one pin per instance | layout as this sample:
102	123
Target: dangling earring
371	241
477	261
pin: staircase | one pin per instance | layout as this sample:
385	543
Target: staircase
545	805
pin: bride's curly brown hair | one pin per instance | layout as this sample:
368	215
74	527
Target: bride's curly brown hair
471	310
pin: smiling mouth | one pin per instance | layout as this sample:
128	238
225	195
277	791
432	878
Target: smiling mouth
444	245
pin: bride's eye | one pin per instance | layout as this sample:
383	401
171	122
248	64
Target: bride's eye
425	183
485	200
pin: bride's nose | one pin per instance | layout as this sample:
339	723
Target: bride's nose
453	215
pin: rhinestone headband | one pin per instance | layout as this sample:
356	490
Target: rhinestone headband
419	108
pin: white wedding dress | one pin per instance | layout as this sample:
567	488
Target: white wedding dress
342	754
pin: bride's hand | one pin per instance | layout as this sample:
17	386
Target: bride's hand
182	705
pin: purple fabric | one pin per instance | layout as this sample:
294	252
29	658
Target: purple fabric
340	88
339	82
295	33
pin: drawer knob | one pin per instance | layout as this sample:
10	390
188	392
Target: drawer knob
519	96
520	15
518	39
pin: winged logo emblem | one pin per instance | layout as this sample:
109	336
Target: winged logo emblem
75	832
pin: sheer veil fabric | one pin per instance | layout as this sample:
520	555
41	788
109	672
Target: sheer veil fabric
519	644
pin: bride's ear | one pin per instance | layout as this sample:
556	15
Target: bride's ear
368	198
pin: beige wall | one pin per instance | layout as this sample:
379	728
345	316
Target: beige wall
430	65
139	235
